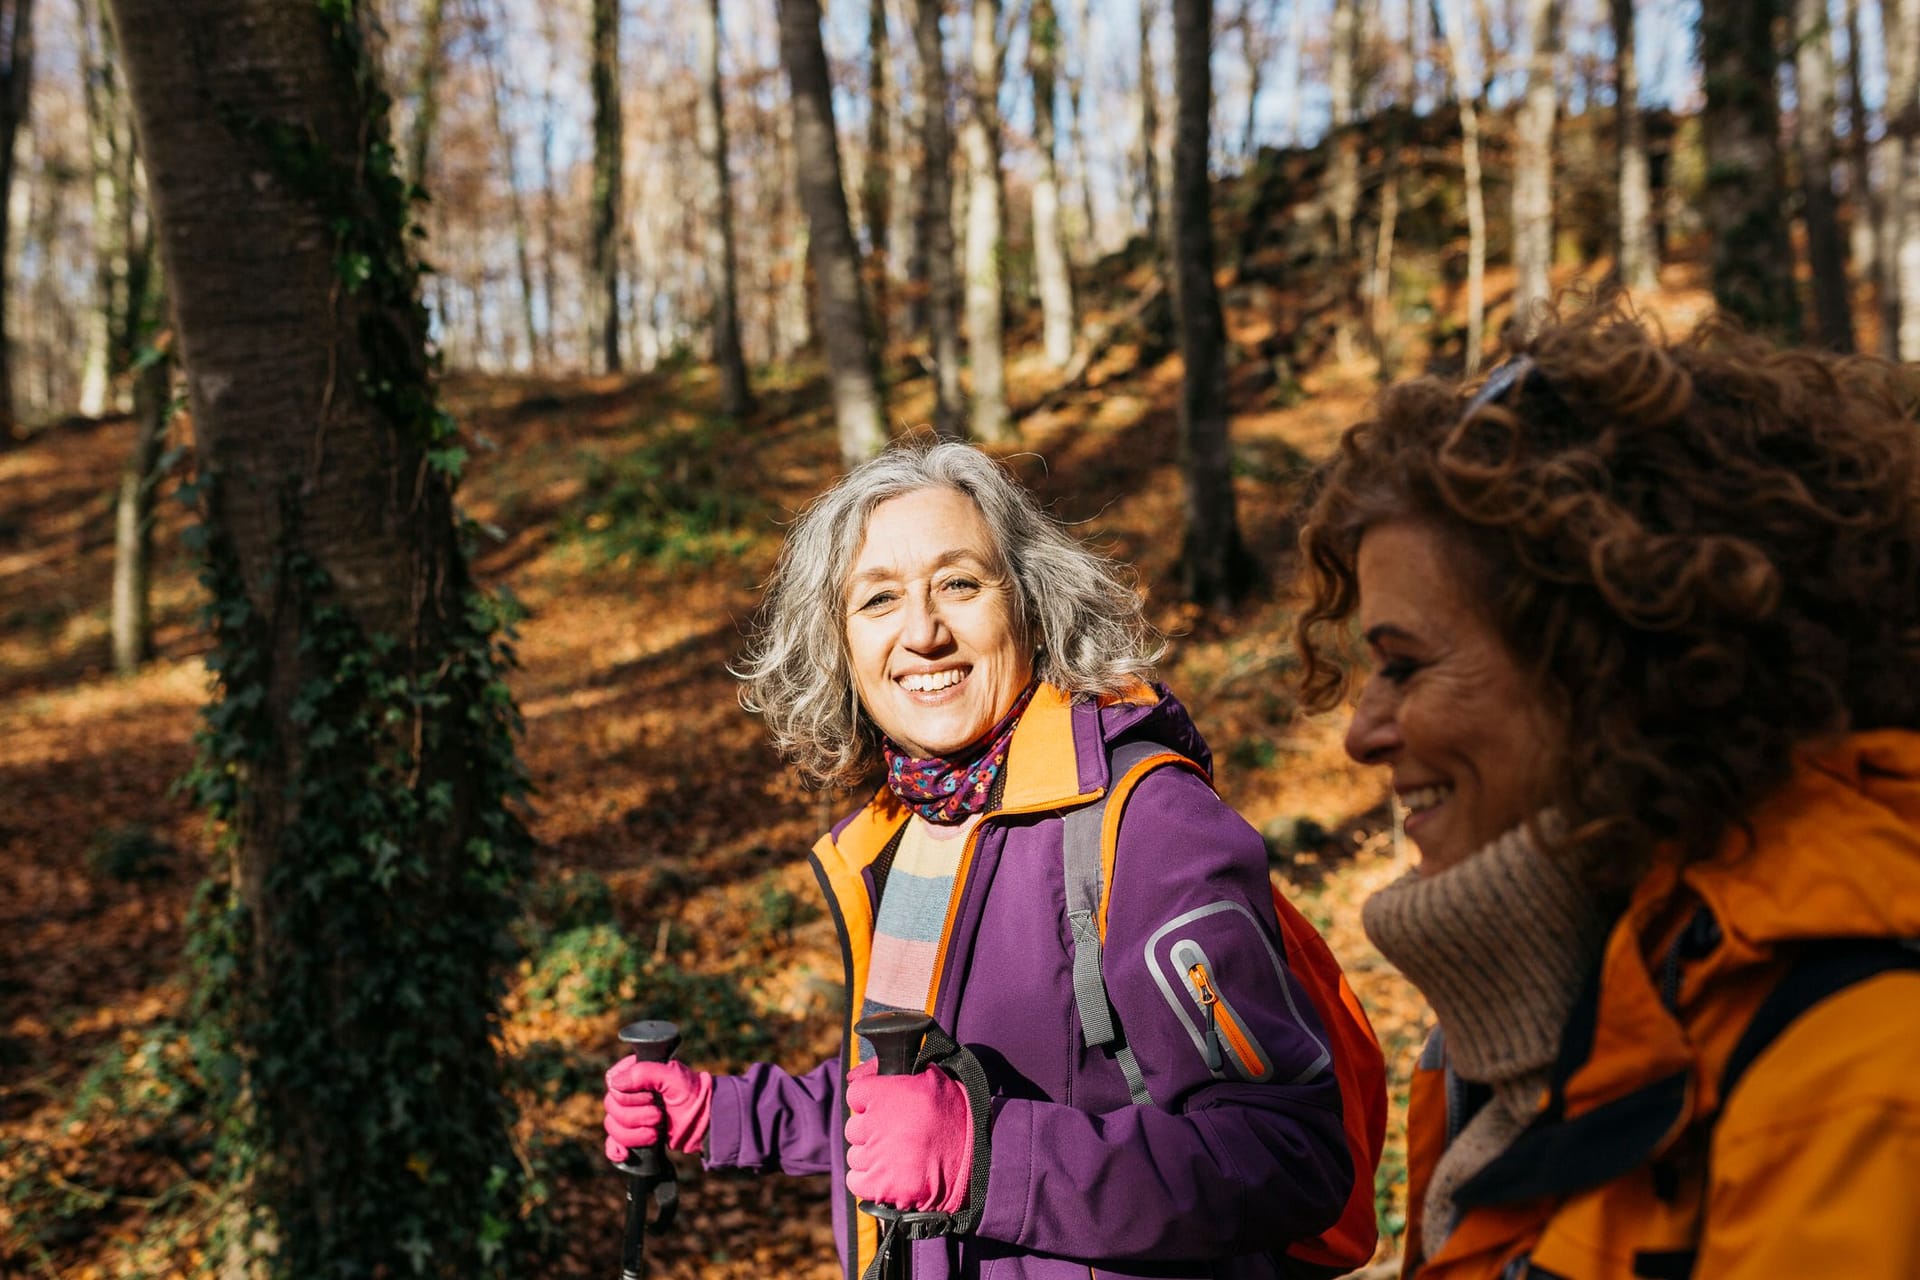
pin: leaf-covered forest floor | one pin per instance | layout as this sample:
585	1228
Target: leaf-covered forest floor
635	527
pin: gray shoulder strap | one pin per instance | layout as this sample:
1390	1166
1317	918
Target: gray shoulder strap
1080	841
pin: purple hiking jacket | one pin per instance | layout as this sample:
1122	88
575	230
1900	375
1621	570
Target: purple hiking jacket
1216	1176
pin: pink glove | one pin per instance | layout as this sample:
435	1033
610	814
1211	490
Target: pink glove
909	1139
642	1094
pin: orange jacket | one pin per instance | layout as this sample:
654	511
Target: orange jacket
1813	1167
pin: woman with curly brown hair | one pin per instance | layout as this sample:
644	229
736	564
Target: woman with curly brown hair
1643	634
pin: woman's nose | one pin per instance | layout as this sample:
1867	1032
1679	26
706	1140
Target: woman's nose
1374	733
922	629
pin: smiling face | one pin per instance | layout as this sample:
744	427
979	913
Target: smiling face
1470	740
937	650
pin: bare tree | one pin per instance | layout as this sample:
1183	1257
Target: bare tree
130	622
605	319
936	149
1638	258
1344	180
1813	138
1533	164
736	397
1746	180
1049	235
121	268
986	231
1214	561
1255	22
488	40
361	749
1900	163
1467	97
1147	176
426	89
16	79
876	194
1076	72
836	258
1863	248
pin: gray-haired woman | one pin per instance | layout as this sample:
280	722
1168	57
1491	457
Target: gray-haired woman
928	618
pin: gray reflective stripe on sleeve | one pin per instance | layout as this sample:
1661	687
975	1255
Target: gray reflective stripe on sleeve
1080	849
1434	1055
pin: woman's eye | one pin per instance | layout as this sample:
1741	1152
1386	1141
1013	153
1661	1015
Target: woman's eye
878	600
1398	670
960	584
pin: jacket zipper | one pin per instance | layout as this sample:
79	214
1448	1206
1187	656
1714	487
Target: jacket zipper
1220	1022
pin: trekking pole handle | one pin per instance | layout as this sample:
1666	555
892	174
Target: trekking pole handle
896	1036
649	1173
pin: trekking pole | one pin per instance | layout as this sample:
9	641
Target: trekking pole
650	1175
895	1036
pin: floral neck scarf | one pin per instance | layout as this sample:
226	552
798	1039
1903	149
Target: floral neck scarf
946	789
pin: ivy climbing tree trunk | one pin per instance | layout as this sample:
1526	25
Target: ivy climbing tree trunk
16	79
605	321
844	326
1752	269
359	749
1214	562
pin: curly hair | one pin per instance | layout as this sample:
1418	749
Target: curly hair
1706	554
1080	614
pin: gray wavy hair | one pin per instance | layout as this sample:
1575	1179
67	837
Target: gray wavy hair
1077	608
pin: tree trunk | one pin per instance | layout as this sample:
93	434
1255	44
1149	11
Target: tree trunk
1214	563
986	233
1863	245
943	303
130	627
16	81
1049	236
1638	257
1344	178
1900	242
605	320
835	257
111	322
1149	158
1752	267
1533	167
876	195
360	749
1082	163
906	237
426	89
1453	27
522	234
1813	135
736	397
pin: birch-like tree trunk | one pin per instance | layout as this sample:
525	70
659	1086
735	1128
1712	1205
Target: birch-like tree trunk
1214	562
1344	179
943	301
111	320
372	848
1076	72
1813	137
986	232
1638	255
736	396
1533	166
1453	26
906	237
604	313
130	624
843	323
16	81
1752	268
1049	235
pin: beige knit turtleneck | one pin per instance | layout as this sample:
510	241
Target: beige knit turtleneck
1499	944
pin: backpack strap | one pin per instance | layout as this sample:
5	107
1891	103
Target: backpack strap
1820	969
1082	846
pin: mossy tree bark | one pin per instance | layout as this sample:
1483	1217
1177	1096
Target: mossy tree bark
1214	562
360	746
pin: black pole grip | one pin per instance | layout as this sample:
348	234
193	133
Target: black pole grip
649	1173
896	1036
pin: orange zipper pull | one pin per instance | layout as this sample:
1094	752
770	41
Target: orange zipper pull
1197	974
